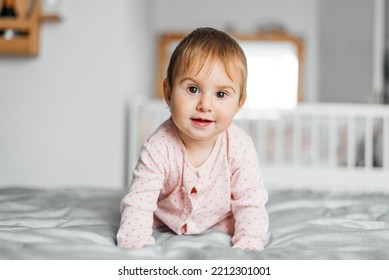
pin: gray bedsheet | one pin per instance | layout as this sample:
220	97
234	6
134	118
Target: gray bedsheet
81	223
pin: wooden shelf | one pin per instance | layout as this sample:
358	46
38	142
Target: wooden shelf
17	46
19	24
50	18
28	28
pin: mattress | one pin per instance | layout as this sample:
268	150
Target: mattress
81	223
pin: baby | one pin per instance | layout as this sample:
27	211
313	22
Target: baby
198	170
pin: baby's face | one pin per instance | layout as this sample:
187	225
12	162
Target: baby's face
203	103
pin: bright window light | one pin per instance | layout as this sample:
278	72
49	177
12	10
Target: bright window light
272	75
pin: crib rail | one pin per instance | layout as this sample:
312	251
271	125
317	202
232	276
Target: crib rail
322	146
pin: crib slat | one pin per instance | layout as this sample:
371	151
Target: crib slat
279	141
314	133
351	142
332	153
369	143
261	139
297	139
385	139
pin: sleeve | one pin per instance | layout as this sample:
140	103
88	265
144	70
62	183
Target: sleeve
138	206
248	200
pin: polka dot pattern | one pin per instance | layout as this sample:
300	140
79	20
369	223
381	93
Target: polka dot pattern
225	193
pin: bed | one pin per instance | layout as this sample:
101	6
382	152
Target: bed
326	167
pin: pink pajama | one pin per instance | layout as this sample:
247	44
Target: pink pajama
226	192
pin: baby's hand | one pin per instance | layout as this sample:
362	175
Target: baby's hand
136	244
245	247
249	244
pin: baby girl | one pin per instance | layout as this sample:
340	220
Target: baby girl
199	170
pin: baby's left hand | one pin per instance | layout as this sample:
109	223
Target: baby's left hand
249	243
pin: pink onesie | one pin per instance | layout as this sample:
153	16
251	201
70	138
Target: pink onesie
226	192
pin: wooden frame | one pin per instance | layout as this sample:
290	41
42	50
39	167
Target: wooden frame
166	39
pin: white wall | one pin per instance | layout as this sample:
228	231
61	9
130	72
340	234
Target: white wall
62	113
347	50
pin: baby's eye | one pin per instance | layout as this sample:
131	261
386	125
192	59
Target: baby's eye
193	89
221	94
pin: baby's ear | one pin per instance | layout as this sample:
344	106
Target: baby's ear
242	100
167	93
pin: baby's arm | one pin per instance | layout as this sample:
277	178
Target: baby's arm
248	202
138	206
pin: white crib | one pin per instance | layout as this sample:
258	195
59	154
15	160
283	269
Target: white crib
337	147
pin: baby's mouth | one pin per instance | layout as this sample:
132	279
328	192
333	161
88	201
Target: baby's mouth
201	122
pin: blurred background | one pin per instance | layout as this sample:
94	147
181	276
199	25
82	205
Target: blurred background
63	112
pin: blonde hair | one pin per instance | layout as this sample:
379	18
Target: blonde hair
208	43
